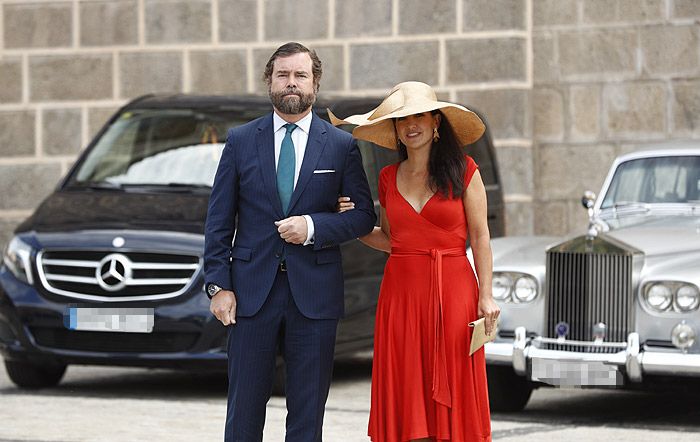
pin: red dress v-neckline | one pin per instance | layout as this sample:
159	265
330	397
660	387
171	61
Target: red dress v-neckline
396	186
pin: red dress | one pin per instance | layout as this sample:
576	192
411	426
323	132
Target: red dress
424	383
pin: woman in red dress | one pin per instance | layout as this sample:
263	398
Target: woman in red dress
425	386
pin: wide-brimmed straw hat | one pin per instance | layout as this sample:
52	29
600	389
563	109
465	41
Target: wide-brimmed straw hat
409	98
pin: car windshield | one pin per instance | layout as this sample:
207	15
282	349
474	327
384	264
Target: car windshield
156	147
667	179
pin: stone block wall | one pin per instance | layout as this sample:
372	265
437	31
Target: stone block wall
610	76
565	85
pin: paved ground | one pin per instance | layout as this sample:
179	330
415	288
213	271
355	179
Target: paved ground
120	404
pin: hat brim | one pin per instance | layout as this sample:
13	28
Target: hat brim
466	125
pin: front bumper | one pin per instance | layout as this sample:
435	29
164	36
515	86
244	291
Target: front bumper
185	335
526	354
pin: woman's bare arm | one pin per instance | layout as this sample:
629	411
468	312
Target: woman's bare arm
476	210
379	237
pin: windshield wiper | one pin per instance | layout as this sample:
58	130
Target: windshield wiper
168	187
145	187
629	205
96	185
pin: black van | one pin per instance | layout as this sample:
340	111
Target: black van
108	269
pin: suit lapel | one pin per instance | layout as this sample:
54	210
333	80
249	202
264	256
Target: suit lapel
265	140
314	147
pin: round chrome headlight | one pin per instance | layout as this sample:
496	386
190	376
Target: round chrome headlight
687	298
659	297
501	287
525	289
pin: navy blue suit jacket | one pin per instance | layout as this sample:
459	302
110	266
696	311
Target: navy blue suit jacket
244	200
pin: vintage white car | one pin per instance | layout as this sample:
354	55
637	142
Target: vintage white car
615	307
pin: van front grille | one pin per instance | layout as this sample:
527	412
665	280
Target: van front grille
116	276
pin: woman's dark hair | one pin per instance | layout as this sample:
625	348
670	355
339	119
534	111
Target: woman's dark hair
292	48
446	166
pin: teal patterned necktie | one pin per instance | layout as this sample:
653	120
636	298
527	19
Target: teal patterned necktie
285	168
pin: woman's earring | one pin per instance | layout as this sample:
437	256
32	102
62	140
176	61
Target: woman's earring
436	135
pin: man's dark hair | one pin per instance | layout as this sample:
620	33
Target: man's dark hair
292	48
446	166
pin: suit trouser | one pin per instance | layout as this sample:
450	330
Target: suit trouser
307	347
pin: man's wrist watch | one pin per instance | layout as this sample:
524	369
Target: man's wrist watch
213	289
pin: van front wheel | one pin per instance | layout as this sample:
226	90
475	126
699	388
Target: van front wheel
32	375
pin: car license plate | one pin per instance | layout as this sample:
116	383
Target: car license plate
575	373
130	320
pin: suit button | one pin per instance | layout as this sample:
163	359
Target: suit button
277	255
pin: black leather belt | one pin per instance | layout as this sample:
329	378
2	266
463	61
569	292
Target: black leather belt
283	266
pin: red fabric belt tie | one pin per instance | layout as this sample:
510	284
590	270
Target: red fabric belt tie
441	388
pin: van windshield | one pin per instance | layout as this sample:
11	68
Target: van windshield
159	148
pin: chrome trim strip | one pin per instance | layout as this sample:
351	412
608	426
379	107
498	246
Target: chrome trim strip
579	343
670	363
134	265
162	266
68	278
154	281
70	263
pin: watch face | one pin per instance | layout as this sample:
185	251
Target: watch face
212	289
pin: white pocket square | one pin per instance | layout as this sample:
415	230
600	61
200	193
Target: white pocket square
324	171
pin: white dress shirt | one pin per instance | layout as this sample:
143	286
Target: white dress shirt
300	137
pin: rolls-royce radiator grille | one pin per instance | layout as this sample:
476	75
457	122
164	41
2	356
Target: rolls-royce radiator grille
116	276
585	289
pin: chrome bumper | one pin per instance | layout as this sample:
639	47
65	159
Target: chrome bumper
636	362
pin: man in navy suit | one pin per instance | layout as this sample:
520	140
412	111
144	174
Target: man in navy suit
281	283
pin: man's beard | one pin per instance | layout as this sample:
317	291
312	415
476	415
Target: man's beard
291	105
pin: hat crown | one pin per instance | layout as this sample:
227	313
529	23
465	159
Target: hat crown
402	95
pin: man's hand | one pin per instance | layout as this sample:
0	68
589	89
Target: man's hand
223	306
293	229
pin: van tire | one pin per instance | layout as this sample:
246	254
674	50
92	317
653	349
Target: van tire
32	375
507	390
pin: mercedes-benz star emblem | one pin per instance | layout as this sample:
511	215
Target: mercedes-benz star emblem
113	272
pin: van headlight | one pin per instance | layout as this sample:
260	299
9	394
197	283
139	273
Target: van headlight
514	287
17	258
669	296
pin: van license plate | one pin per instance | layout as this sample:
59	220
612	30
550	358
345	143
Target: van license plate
575	373
130	320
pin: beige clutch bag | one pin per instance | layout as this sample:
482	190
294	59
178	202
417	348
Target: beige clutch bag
479	336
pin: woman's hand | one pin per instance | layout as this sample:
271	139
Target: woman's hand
344	204
488	309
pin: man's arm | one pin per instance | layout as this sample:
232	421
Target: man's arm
221	217
335	228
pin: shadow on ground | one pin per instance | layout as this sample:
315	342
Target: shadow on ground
141	383
677	410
